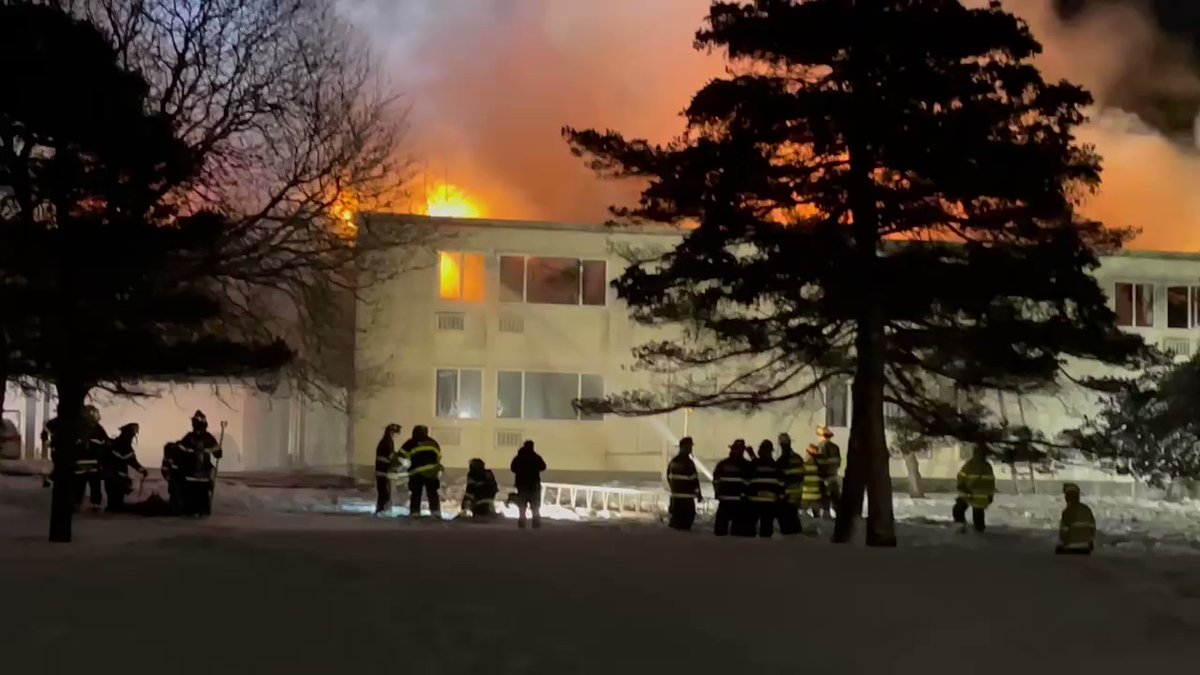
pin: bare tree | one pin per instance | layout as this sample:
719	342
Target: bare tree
296	134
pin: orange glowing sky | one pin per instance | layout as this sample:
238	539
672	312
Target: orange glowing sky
488	116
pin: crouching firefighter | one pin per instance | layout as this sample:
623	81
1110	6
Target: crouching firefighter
199	449
387	468
684	483
1077	530
117	462
424	470
480	496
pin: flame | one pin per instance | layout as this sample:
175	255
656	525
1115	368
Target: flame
343	212
449	201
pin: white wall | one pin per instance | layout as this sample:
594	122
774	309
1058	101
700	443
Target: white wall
400	348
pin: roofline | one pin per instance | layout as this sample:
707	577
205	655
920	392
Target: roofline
492	223
659	230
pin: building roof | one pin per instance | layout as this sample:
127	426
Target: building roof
651	229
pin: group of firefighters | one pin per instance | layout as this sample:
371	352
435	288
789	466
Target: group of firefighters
755	491
423	456
188	465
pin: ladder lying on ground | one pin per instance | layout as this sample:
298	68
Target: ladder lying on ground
600	498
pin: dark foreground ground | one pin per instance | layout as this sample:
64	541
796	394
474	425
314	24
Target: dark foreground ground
341	594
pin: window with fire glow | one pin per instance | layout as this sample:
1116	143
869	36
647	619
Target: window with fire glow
460	276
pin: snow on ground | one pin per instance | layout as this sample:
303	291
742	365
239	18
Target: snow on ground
298	593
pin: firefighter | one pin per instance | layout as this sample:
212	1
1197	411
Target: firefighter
792	466
387	468
765	489
172	473
730	481
976	490
831	465
117	461
684	484
814	498
88	477
198	451
480	496
1077	530
527	467
424	470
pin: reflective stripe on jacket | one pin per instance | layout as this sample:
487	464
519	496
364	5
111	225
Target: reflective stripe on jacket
813	490
766	482
425	459
730	480
792	466
1077	529
682	478
977	483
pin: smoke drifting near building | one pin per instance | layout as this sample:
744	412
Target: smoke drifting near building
489	84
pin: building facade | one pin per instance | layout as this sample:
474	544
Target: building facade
490	339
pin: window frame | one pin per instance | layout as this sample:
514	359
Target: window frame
462	276
579	417
524	295
1134	297
1193	306
845	385
458	371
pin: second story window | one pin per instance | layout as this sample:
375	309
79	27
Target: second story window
460	276
553	281
1183	306
1135	305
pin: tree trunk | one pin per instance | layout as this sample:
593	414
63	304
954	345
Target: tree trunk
1012	473
1032	477
71	395
914	475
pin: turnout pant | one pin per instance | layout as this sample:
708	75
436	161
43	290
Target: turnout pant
197	497
533	500
383	487
683	513
833	488
789	517
116	487
428	484
728	515
977	514
88	482
175	493
764	517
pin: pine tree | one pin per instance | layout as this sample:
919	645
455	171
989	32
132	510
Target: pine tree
113	280
884	188
1149	429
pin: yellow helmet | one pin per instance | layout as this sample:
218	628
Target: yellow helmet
824	432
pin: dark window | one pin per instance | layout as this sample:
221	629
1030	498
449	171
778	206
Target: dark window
1135	305
836	404
459	393
512	279
1124	304
1177	307
508	395
553	281
1144	315
595	282
591	386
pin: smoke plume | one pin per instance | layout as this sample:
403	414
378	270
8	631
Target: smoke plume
489	83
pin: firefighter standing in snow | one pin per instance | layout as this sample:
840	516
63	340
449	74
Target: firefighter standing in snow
766	489
684	484
814	498
1077	529
730	483
831	465
791	465
172	472
527	468
424	470
118	459
198	450
480	495
976	490
387	468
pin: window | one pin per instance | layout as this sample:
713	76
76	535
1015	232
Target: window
460	276
553	281
1183	307
545	396
1135	305
459	394
837	404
